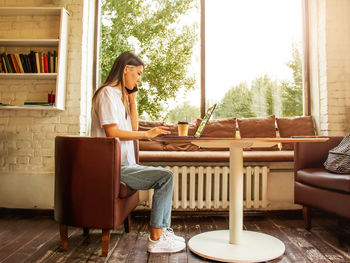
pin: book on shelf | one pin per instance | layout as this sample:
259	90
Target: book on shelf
5	104
51	63
3	64
37	62
19	63
46	64
55	61
48	60
11	63
24	65
41	60
6	63
14	62
26	62
29	67
29	103
34	62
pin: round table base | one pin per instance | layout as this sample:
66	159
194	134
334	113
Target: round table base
254	246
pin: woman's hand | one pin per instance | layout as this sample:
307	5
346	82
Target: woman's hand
132	97
157	131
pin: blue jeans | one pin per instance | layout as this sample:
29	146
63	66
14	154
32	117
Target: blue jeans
141	177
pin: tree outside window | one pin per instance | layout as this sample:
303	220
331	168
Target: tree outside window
155	31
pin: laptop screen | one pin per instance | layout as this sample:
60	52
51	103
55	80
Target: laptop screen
204	121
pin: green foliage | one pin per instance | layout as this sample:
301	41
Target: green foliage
151	29
292	92
183	112
266	96
237	102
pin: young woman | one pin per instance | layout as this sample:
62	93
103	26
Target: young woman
114	114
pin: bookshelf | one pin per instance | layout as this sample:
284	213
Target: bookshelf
42	30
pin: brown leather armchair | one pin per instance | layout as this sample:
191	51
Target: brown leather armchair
314	185
88	191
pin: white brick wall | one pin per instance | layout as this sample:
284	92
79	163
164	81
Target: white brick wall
27	137
330	39
338	49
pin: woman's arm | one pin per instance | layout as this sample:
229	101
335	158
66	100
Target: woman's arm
111	130
133	112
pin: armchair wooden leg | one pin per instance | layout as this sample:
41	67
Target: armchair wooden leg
64	237
307	217
127	223
85	231
105	242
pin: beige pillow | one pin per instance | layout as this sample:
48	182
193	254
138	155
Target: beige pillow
258	128
298	126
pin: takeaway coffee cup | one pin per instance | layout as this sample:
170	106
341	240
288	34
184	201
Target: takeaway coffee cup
182	128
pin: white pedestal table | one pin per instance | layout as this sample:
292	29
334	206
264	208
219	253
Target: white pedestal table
236	244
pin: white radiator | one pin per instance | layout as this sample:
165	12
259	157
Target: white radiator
207	187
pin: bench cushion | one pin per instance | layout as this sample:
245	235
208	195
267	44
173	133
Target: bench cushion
212	156
297	126
320	177
224	128
258	128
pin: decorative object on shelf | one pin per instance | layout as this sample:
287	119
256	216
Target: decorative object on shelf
51	97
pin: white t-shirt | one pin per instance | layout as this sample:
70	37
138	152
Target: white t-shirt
108	109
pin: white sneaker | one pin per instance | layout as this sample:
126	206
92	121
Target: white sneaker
170	233
164	244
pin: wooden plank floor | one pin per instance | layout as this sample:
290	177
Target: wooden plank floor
35	238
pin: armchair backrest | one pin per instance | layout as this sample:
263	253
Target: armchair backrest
87	176
313	154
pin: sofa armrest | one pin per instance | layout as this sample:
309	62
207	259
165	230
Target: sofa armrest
313	154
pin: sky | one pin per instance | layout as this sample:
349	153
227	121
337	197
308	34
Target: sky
246	39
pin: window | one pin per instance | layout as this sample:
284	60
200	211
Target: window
165	34
253	57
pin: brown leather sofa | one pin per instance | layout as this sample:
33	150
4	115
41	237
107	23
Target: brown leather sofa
314	185
88	191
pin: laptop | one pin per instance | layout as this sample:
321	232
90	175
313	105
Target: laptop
200	128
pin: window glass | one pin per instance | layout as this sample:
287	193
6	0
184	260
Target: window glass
253	55
254	58
164	34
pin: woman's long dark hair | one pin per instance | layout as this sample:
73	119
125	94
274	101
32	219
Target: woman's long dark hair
116	75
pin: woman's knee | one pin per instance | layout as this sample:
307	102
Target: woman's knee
168	176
